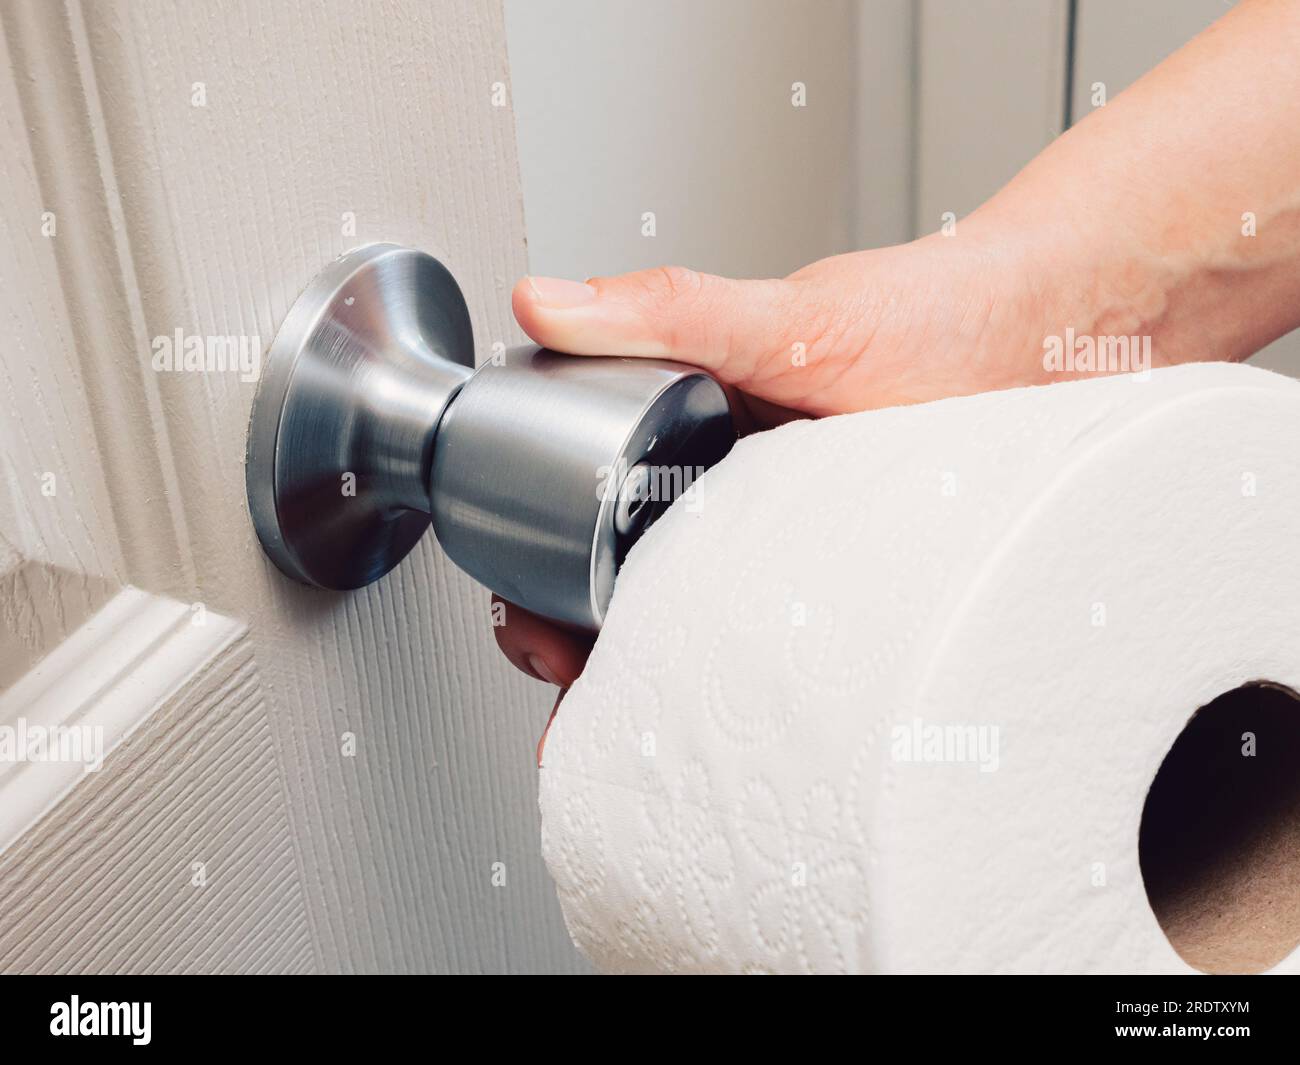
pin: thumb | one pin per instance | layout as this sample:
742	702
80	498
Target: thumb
732	328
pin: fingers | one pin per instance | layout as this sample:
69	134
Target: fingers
540	648
541	743
752	414
732	328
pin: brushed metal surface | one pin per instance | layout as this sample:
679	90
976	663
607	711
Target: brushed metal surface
538	472
345	414
531	458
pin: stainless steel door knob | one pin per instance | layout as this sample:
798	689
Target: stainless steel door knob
539	471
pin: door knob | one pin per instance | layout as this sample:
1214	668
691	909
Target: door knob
538	471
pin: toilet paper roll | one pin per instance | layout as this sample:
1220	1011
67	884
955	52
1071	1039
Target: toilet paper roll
889	692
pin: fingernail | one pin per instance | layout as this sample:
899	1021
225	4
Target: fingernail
544	671
557	294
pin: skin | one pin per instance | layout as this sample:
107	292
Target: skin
1131	223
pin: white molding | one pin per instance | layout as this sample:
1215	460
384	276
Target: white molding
110	674
177	856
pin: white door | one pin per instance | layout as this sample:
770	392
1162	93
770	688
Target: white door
294	780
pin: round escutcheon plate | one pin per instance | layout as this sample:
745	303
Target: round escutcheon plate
341	435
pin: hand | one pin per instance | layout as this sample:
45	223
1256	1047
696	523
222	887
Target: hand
933	318
1171	213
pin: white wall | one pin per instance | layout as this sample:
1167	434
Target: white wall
684	108
990	96
915	107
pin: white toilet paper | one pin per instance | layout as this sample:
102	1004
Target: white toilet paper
889	696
